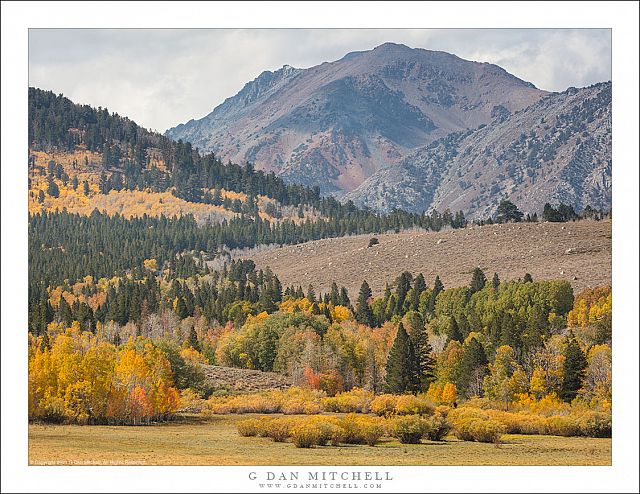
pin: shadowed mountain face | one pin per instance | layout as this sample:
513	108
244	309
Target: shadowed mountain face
338	124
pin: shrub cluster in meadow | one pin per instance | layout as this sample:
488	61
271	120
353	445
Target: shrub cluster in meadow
559	420
388	404
474	424
297	401
355	401
293	401
322	430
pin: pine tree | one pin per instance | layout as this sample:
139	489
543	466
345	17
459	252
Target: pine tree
437	288
478	281
311	294
364	314
52	188
65	312
509	334
473	366
507	212
495	282
181	308
216	200
193	339
573	371
404	284
334	295
344	297
266	299
327	313
426	363
104	185
453	331
46	342
402	369
419	286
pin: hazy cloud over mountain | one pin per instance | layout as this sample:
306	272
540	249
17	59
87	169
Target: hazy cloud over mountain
163	77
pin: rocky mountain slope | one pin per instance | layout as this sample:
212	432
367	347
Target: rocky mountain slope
336	124
396	127
558	149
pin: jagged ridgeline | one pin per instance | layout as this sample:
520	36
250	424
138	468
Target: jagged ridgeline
416	129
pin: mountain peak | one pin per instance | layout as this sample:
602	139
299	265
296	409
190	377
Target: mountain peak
389	45
337	123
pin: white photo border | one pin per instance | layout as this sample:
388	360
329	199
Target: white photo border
18	17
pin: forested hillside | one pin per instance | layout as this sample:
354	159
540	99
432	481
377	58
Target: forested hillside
128	304
106	194
79	152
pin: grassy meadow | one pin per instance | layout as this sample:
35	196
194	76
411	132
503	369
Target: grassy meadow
215	441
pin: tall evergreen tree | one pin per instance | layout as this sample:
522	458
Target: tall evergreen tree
573	370
402	370
437	288
65	312
426	363
419	286
334	295
495	282
404	284
52	188
364	314
473	367
181	308
311	294
453	331
344	297
478	280
509	331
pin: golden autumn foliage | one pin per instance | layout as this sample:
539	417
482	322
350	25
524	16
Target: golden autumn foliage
193	356
133	203
356	400
388	404
80	379
449	394
151	264
442	393
338	313
311	431
591	306
292	401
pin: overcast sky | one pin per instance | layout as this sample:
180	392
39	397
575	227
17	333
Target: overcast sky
161	78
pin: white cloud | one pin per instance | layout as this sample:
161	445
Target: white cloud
161	78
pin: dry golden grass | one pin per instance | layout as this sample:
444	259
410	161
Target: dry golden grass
565	251
216	442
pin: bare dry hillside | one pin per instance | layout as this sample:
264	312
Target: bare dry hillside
244	380
579	252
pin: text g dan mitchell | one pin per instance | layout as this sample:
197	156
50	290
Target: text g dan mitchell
322	476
